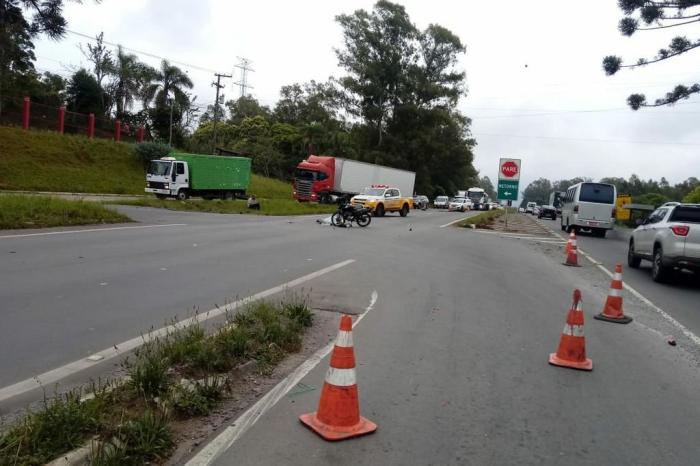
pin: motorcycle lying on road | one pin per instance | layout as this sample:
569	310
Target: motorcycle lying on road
349	213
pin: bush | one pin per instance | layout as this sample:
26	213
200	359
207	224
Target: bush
197	398
693	196
147	151
149	371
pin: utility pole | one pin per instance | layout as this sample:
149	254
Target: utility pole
244	66
170	138
218	86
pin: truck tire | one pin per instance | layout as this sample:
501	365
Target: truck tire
404	210
379	210
182	195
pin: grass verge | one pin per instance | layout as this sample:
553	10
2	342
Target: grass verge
173	378
481	220
267	206
18	211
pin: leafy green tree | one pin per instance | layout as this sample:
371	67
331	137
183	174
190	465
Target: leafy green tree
563	185
131	76
693	196
167	89
20	22
486	184
84	94
655	199
245	107
646	15
538	191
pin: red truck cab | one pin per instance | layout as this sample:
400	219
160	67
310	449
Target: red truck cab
314	179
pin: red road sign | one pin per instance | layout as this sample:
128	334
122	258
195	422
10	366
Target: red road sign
509	169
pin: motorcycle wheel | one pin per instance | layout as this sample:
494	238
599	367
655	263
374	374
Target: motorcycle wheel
364	220
337	219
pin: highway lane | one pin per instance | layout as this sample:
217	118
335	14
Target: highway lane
66	296
680	297
452	366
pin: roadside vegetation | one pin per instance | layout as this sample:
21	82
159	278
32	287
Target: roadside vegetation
481	220
170	379
42	211
267	206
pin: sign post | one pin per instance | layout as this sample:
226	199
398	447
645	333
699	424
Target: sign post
508	181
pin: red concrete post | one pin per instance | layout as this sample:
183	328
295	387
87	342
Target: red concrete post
25	113
91	126
117	130
61	119
139	134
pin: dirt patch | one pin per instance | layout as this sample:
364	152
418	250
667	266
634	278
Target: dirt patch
519	223
248	385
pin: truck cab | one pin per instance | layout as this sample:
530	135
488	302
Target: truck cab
168	177
381	199
314	179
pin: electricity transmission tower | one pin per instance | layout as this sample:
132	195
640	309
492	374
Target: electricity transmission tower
244	66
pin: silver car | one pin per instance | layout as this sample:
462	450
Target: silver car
669	238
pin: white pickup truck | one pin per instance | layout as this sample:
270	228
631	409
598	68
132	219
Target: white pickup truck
381	199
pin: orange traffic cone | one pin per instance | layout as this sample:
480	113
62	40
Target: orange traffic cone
572	346
572	251
338	416
612	311
572	240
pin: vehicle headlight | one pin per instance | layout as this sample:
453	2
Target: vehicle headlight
166	185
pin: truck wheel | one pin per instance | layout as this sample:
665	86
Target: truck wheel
182	195
404	210
380	210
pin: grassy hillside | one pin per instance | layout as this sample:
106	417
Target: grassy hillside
47	161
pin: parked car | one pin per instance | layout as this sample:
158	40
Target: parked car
460	203
536	210
421	202
441	202
669	238
548	211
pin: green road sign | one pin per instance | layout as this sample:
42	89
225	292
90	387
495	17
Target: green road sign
508	190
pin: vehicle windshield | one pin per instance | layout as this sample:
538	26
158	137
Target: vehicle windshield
686	214
159	168
310	175
374	191
598	193
441	198
475	195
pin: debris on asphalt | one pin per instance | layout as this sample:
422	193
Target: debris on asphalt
670	340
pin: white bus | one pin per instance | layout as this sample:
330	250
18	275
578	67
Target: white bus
589	206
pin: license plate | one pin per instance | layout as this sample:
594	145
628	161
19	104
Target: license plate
593	224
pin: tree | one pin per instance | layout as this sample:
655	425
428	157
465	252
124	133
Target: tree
486	185
84	94
101	59
20	22
538	191
245	107
654	15
693	196
130	79
167	90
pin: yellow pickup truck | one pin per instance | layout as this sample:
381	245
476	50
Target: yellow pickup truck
382	199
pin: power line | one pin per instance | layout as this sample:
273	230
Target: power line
147	54
610	141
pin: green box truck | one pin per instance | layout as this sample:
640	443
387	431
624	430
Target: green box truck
208	176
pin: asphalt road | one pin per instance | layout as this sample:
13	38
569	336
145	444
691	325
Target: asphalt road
452	359
680	297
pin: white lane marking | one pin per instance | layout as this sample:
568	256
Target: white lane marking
228	436
682	328
59	373
453	222
93	230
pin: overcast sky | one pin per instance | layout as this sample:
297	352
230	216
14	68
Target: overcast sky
523	60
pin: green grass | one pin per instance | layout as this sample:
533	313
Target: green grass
48	161
39	212
482	219
267	206
269	188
